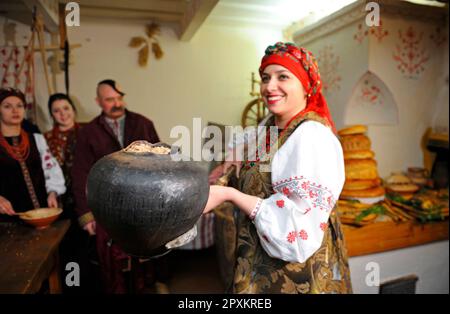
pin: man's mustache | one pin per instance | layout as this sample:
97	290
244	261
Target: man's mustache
114	109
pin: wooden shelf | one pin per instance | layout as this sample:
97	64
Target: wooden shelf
385	236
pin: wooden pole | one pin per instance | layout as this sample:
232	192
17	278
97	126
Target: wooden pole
40	33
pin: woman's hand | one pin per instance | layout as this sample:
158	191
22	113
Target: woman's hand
217	195
90	227
6	207
222	169
52	200
228	164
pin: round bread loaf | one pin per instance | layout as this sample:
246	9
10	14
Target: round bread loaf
402	188
361	169
352	184
355	142
398	178
359	154
354	129
372	192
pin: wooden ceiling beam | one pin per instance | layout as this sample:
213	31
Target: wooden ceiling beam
177	6
49	11
194	16
158	16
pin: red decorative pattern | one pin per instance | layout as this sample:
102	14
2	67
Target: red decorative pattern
256	209
409	54
438	37
371	93
360	34
280	203
303	235
291	236
301	188
323	226
10	60
379	32
329	63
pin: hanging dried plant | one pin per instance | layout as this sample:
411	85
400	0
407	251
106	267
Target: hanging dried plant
157	51
151	30
143	56
136	42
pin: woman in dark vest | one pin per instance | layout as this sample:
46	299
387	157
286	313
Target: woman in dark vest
76	245
61	140
289	235
30	177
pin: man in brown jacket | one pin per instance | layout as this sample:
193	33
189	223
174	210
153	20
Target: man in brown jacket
113	129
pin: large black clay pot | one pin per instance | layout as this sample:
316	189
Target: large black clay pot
144	200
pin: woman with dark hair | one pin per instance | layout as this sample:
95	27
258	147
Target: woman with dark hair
30	176
289	238
61	141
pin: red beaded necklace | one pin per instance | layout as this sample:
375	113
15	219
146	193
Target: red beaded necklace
18	151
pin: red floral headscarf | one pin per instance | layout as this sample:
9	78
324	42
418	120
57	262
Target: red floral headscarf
304	66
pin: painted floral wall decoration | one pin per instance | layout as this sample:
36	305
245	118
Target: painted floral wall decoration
371	102
328	64
379	32
145	44
438	37
410	54
361	33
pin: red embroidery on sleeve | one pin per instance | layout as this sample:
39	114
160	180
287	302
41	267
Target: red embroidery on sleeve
286	191
323	226
280	203
291	236
303	235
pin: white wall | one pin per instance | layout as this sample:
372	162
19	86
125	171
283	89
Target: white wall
428	262
208	77
398	146
422	102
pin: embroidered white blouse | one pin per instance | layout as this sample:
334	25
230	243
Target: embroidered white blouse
307	175
54	178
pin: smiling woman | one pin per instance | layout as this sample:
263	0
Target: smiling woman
288	232
61	140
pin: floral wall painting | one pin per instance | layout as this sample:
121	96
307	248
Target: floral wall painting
410	54
371	103
438	37
379	32
361	33
144	43
328	64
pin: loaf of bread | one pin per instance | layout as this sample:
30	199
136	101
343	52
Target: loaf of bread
355	184
361	169
359	154
372	192
356	142
354	129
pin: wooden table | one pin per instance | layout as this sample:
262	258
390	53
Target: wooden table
29	256
384	236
